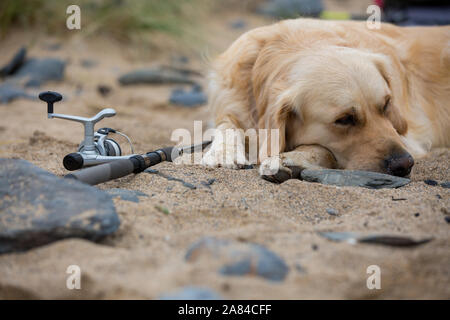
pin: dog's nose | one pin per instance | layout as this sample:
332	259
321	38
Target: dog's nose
399	165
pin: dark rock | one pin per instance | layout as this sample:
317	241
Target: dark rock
87	63
291	8
104	90
126	195
417	214
15	63
192	98
350	178
39	71
395	241
431	182
447	219
10	92
37	208
332	211
445	184
158	75
238	24
192	293
208	183
53	46
240	259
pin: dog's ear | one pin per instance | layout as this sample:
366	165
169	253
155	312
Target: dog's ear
273	139
384	65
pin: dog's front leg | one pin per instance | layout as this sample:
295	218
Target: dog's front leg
227	149
289	165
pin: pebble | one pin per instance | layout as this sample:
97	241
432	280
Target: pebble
104	90
15	63
157	75
126	195
10	92
389	240
192	293
431	182
291	8
240	259
192	98
332	212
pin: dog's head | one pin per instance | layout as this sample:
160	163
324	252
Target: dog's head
342	99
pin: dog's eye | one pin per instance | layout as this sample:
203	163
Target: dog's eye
348	120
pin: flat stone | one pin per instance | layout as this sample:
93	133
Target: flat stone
445	184
39	71
192	293
157	75
331	211
10	92
240	259
291	8
126	195
192	98
431	182
387	240
37	208
15	63
353	178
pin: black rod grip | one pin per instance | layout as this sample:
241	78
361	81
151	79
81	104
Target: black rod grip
104	172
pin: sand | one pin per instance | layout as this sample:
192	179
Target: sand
145	257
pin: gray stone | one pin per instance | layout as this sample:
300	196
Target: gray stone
192	293
10	92
126	195
37	208
291	8
339	236
39	71
240	259
157	75
445	184
331	211
192	98
15	63
350	178
387	240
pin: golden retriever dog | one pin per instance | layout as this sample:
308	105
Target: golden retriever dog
340	95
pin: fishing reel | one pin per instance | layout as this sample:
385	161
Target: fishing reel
97	147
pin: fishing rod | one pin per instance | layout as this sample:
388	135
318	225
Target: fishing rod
100	157
134	164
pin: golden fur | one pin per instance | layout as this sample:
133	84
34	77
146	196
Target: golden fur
301	76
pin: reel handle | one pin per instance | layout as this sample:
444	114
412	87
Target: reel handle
50	97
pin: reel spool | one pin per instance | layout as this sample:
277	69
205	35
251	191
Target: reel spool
97	147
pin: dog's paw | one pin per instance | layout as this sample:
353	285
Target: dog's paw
273	169
227	156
